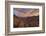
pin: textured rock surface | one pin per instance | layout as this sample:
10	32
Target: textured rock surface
26	21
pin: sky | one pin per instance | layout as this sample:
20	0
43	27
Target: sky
24	12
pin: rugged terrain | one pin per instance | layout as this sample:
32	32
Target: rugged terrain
26	21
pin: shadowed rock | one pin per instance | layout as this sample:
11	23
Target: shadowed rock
26	21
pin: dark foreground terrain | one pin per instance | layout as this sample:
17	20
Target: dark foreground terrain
26	21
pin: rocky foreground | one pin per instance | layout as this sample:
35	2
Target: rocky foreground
26	21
